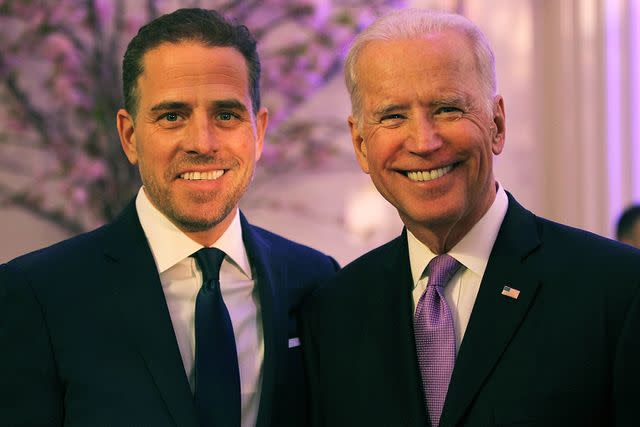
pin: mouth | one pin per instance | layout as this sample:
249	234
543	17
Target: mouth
202	176
428	175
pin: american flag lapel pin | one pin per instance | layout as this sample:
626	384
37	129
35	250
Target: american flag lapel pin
510	292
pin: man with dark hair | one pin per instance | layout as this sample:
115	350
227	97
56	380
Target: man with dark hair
205	26
480	313
179	312
628	227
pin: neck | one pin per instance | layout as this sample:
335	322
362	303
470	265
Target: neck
211	235
439	240
440	237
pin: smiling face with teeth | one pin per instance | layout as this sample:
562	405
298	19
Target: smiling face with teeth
427	133
195	137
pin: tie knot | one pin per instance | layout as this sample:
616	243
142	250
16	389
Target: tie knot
209	260
441	270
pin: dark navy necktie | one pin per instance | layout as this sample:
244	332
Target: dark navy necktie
217	376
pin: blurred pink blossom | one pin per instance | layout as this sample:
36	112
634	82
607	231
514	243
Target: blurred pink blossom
79	196
67	108
104	12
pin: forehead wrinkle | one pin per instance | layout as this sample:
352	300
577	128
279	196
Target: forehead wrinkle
460	98
195	83
169	70
188	65
190	75
441	77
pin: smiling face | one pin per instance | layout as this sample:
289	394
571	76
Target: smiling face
427	134
194	138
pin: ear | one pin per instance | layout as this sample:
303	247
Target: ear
499	128
359	145
262	120
127	134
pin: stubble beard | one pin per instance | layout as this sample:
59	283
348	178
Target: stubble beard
221	204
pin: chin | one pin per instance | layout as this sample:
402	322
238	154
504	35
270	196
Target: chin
195	224
189	219
441	216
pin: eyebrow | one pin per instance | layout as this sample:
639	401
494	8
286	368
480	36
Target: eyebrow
170	105
229	104
386	109
449	100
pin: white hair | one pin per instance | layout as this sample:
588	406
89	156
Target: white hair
416	23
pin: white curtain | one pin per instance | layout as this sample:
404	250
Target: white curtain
569	71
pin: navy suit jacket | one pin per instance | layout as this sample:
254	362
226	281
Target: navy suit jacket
566	352
86	338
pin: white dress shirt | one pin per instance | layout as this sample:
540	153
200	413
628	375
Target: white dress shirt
181	280
472	252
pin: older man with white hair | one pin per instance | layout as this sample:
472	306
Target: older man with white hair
480	313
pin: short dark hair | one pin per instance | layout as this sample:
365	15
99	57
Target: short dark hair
627	221
201	25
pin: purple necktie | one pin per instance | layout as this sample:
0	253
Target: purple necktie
435	335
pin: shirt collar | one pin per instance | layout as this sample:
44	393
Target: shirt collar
473	249
169	245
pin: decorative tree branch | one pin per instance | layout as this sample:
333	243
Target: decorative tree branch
23	200
23	104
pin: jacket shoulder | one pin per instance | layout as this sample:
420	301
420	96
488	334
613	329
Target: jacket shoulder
282	248
559	247
74	249
358	274
588	249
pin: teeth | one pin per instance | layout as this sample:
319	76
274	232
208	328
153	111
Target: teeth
428	175
211	175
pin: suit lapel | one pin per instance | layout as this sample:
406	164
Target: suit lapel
145	315
389	354
495	318
273	316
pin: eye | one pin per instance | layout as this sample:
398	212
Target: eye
171	116
445	110
448	113
392	120
392	117
227	115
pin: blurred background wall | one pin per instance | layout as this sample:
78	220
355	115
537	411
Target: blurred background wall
568	70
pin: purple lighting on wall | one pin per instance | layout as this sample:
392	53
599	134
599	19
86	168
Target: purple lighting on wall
634	29
613	106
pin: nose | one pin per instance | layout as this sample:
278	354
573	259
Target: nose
202	138
424	136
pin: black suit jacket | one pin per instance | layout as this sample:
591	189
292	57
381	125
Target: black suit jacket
86	338
566	352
